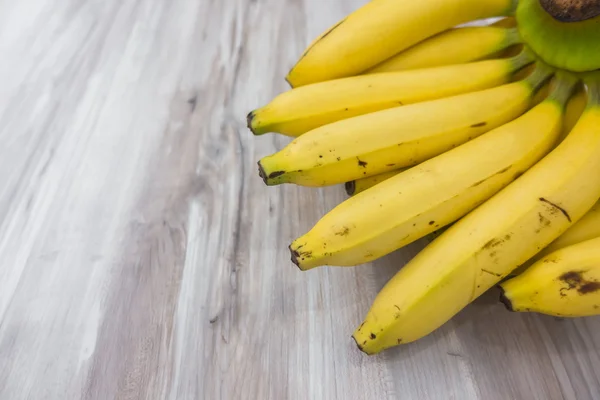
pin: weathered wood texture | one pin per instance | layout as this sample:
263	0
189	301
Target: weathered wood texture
141	257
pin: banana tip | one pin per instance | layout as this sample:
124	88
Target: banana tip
294	254
358	344
505	300
300	258
361	346
262	173
350	188
249	119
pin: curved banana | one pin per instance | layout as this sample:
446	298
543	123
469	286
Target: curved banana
455	46
565	283
308	107
437	192
396	138
360	185
380	29
484	246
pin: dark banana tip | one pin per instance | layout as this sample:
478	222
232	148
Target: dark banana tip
262	174
505	300
294	257
359	345
350	188
249	119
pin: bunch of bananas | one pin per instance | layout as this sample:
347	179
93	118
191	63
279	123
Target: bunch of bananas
487	138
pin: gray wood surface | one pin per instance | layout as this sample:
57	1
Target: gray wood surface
141	257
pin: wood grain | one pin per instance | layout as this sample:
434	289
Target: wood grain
141	257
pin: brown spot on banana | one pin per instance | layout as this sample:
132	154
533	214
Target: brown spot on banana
589	287
575	280
276	174
557	207
479	125
344	232
545	222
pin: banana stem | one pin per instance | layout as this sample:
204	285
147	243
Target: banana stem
523	59
513	7
565	86
540	75
592	81
513	36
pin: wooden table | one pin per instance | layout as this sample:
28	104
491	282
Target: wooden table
141	257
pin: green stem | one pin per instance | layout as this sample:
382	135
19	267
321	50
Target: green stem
513	36
513	7
540	75
521	60
565	86
592	81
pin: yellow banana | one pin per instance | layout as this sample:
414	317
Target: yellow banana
360	185
455	46
565	283
484	246
396	138
418	201
380	29
586	228
574	111
308	107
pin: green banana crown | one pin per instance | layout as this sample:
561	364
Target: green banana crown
564	33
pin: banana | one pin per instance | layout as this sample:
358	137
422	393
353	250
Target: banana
420	200
396	138
565	283
300	110
586	228
360	185
574	111
484	246
380	29
455	46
